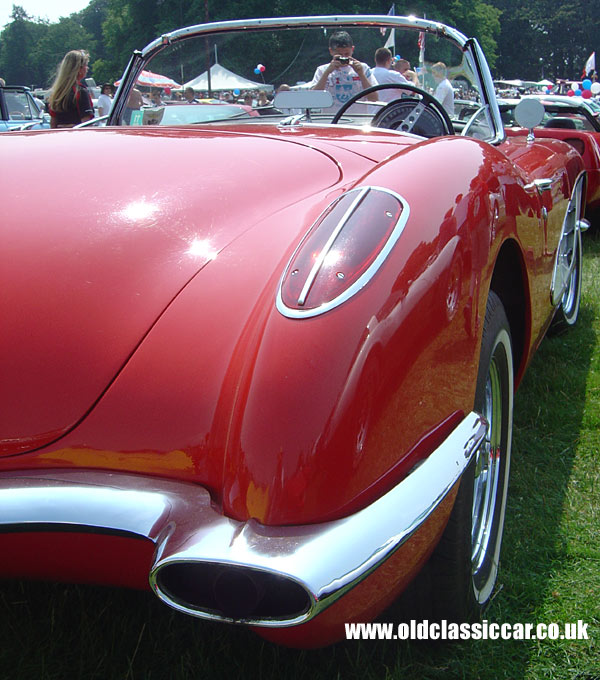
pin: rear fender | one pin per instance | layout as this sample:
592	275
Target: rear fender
360	393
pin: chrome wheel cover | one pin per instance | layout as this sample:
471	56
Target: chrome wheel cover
565	277
487	472
570	299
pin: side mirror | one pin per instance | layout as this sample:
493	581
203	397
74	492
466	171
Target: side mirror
529	113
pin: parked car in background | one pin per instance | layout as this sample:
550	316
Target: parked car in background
558	111
266	369
574	120
182	113
18	107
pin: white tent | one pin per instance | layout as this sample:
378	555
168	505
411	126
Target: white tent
224	79
523	83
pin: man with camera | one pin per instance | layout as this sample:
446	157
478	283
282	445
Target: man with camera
343	76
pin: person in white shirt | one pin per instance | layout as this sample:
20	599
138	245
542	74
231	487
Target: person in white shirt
402	66
404	69
384	74
444	92
343	76
105	99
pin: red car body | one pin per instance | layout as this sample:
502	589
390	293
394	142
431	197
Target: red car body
578	125
162	397
587	144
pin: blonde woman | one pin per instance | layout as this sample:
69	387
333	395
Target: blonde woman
69	101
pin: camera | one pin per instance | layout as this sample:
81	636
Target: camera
343	60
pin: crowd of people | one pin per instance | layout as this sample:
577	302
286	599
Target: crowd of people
344	76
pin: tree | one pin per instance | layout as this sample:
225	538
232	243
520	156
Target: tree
128	26
570	36
517	41
545	39
59	38
31	49
91	18
479	20
18	40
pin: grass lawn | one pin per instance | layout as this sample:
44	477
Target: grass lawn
550	569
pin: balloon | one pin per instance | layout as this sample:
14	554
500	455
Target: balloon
578	92
236	92
262	68
586	94
587	84
570	93
595	88
257	71
397	57
167	91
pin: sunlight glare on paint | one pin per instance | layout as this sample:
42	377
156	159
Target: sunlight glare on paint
332	258
201	248
139	211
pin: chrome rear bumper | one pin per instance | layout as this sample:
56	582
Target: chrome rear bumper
213	567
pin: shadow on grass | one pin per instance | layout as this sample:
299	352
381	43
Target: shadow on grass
52	631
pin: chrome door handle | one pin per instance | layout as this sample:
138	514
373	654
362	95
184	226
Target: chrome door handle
541	185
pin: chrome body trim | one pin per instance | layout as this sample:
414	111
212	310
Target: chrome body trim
583	224
369	273
328	21
476	59
94	501
310	279
541	185
326	560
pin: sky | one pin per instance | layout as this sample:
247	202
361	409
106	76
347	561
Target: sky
45	9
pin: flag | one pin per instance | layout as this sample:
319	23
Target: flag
590	64
421	45
391	13
391	41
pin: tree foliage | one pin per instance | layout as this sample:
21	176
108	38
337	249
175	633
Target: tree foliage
531	40
18	43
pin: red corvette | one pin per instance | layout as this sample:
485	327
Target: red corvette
266	366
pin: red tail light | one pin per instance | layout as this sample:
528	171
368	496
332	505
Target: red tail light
342	251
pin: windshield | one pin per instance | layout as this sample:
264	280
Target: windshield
190	78
20	105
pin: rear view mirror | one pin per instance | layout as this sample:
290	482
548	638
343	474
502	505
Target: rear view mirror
303	99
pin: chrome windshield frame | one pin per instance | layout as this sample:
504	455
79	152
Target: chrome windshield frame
469	46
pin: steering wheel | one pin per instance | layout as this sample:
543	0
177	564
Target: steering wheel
470	128
422	115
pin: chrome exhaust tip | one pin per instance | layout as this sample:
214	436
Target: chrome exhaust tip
230	592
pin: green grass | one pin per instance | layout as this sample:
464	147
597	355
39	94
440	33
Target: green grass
550	569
